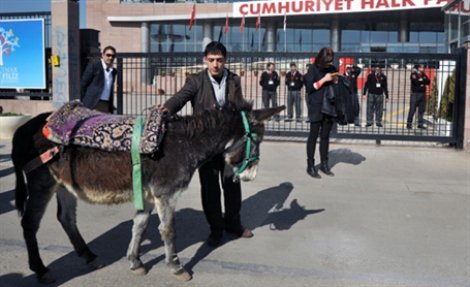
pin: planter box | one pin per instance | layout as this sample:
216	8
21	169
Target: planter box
9	124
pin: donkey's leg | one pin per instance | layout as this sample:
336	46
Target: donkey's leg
166	211
41	187
67	216
138	228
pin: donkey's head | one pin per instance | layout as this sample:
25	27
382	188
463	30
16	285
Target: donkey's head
242	152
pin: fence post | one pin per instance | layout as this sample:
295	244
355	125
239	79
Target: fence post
120	87
465	96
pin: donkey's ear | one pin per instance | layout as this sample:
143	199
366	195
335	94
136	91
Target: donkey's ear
264	114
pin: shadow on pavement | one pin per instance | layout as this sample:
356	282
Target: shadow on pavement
266	207
5	201
344	155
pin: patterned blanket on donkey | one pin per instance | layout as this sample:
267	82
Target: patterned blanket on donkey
74	124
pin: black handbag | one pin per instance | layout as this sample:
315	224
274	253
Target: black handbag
328	105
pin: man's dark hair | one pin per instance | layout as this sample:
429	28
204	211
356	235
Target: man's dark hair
215	48
324	58
269	64
417	66
292	64
109	48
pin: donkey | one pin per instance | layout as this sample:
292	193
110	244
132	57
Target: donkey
103	177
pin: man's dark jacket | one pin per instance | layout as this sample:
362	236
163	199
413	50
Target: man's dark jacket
92	85
371	84
419	81
198	90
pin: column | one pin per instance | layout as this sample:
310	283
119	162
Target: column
147	75
66	45
404	33
334	34
271	37
207	30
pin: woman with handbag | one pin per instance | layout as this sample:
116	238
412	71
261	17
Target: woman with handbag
321	108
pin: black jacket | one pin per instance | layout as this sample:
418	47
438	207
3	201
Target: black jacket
198	90
313	96
92	85
265	81
294	83
352	78
372	87
419	80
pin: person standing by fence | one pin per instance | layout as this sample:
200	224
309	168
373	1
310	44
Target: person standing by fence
294	83
419	81
376	88
269	81
351	73
97	83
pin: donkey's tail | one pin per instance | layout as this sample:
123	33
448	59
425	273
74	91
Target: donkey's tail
23	151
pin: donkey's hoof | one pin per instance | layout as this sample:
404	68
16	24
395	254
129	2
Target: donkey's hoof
95	264
46	278
139	271
182	275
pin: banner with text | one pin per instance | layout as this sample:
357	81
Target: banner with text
305	7
22	54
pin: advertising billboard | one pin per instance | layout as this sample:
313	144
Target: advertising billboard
22	54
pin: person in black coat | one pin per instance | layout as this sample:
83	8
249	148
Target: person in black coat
319	77
269	81
419	81
352	73
97	83
375	87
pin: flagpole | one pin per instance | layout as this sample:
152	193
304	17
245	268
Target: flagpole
285	34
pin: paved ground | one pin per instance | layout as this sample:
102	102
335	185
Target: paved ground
392	216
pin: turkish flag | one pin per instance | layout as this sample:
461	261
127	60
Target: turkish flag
242	24
226	27
193	16
258	22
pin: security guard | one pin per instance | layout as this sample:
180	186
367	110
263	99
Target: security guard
351	73
294	83
376	87
419	81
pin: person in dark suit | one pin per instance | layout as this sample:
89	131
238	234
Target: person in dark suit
319	77
352	73
375	88
419	81
269	81
294	83
214	88
97	84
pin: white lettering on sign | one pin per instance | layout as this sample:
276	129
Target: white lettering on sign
305	7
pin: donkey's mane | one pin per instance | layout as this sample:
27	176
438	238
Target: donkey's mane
208	119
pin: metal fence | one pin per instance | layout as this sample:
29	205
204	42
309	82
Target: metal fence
149	79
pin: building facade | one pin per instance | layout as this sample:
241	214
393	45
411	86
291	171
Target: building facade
411	26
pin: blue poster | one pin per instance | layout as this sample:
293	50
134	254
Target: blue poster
22	63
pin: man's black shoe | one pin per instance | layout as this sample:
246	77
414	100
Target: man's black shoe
368	125
421	127
408	126
288	120
379	125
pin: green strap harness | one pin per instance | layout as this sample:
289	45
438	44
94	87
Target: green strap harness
136	164
249	137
